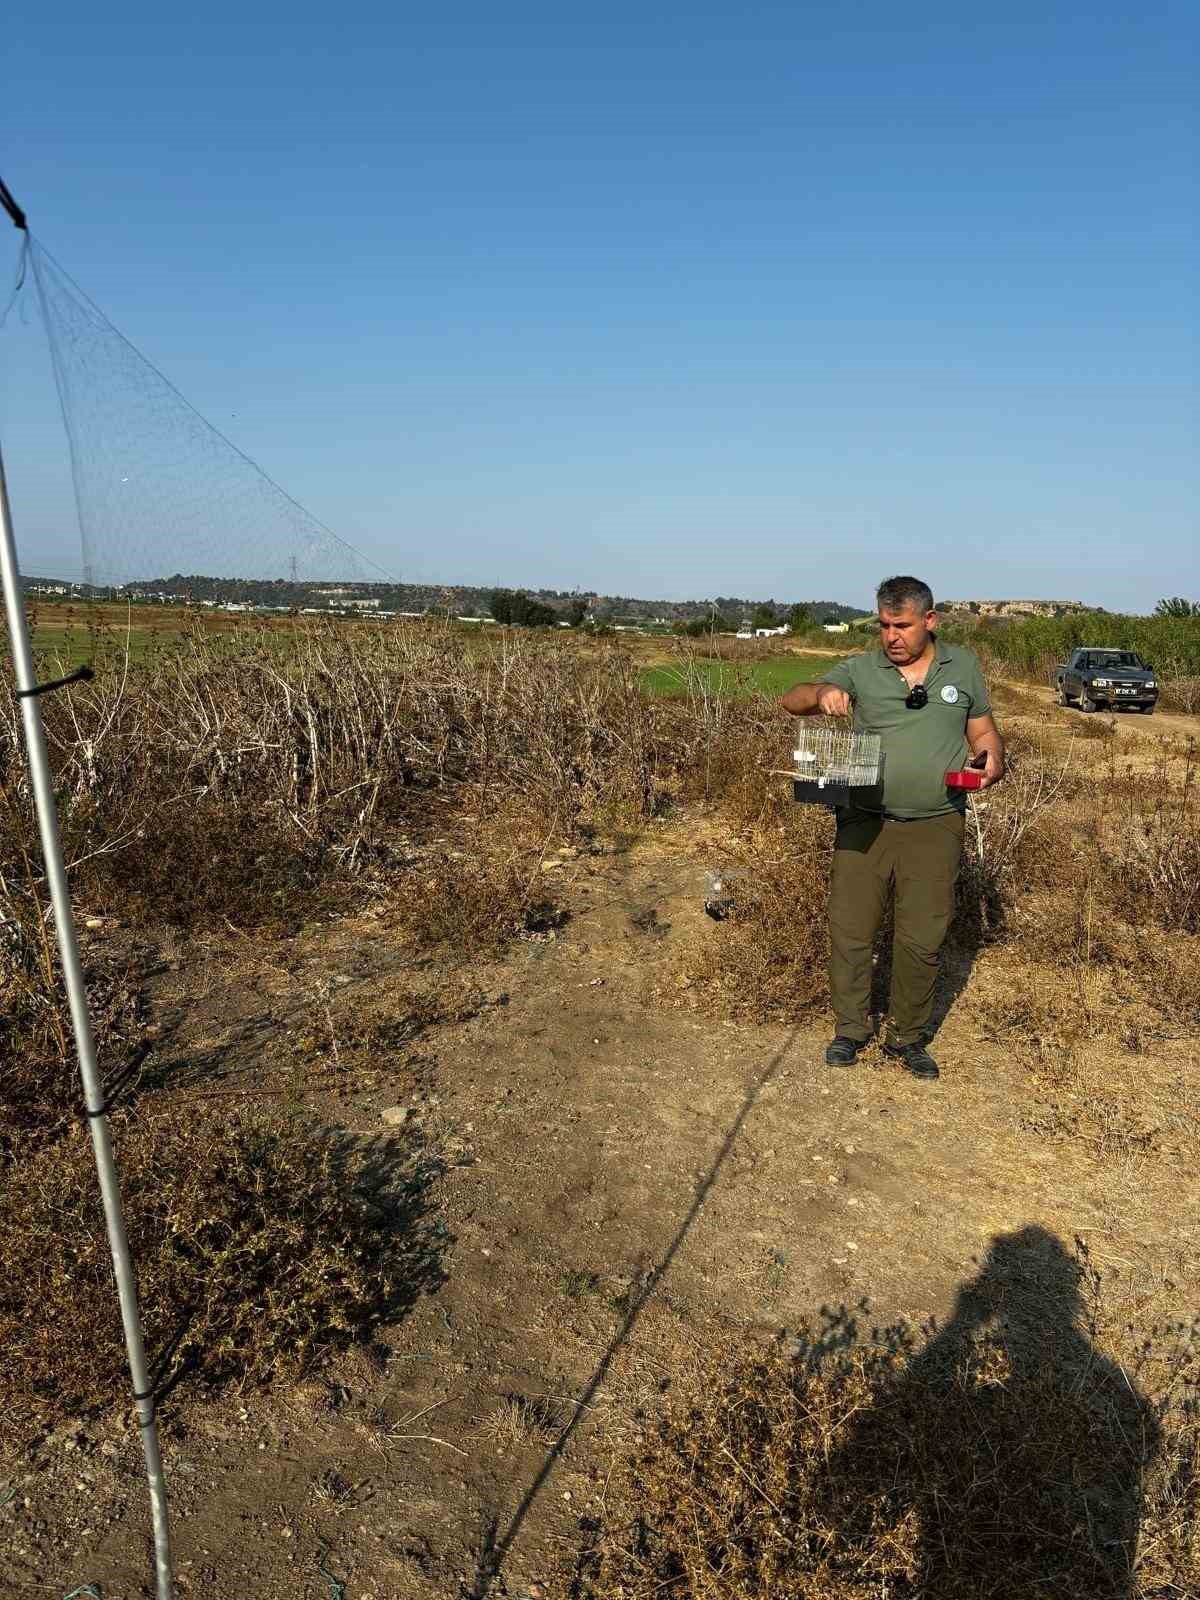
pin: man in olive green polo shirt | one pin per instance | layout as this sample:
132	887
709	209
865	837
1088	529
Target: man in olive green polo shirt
929	704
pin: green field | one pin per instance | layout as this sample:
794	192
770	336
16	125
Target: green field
774	676
71	647
102	635
105	649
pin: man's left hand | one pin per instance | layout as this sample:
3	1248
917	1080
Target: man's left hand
993	769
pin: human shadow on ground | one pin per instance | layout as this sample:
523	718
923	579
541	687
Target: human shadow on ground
1007	1456
1000	1457
495	1544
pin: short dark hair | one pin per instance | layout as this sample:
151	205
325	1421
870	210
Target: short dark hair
894	594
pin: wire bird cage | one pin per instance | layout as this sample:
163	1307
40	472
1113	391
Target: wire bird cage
834	767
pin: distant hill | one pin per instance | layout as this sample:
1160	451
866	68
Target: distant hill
1016	608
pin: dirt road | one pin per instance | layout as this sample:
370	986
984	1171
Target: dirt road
1156	726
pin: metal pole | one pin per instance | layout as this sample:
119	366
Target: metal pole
64	924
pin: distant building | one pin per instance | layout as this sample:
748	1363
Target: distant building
770	633
837	627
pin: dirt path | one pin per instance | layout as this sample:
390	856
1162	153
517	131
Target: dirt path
1162	723
620	1176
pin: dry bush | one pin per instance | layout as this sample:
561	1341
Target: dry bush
1006	1455
353	1046
1118	846
1095	727
767	959
1168	972
258	1250
40	1091
731	765
475	904
238	772
225	864
1181	693
1154	873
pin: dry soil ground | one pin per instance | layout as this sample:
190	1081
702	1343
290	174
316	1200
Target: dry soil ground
619	1175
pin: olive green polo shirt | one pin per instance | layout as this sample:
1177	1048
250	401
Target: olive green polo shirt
919	747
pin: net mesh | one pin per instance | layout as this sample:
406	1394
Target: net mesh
161	494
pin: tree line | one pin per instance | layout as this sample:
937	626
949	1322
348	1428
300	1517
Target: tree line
517	608
1169	640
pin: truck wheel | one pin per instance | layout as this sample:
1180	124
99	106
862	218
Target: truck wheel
1086	703
1147	710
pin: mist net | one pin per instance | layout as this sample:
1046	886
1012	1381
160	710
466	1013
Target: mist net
161	493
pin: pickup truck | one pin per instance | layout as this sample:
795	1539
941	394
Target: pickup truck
1114	678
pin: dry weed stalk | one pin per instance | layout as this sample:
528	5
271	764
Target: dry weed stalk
315	738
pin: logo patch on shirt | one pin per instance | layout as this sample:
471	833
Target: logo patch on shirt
950	694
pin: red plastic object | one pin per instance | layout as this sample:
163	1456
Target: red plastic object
964	778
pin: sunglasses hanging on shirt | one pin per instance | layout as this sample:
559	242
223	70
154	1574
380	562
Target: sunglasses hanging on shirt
918	697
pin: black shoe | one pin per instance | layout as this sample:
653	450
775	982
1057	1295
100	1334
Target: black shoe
916	1059
843	1052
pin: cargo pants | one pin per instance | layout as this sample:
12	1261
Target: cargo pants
918	863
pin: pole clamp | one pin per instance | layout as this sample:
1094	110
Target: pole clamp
80	675
11	206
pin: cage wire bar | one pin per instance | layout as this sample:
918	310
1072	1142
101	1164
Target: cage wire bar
837	756
836	767
95	1108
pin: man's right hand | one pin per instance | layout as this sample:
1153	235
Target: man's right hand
832	701
810	699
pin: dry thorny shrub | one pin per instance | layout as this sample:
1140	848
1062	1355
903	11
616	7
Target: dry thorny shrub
258	1250
40	1093
1003	1455
476	903
39	1079
768	960
234	778
1182	693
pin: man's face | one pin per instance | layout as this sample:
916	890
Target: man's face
904	633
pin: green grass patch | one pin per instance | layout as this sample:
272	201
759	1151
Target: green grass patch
59	646
72	647
774	676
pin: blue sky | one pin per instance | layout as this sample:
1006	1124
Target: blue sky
674	300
